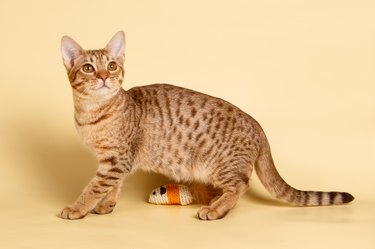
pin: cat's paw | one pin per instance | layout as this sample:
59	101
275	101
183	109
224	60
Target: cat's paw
208	213
71	213
104	207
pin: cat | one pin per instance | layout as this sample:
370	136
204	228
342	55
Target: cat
188	136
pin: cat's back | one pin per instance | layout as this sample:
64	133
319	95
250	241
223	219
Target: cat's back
178	98
176	106
144	94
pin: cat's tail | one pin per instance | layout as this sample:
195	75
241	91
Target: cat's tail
276	185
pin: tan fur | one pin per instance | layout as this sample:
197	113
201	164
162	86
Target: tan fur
188	136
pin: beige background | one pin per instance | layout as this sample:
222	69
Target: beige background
304	69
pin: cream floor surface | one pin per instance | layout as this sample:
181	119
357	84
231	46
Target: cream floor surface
256	222
303	68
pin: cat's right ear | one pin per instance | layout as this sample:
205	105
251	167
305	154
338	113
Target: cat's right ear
70	51
116	46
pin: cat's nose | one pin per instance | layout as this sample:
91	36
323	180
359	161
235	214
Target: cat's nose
102	75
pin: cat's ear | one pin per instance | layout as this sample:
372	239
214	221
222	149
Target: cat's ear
70	51
116	46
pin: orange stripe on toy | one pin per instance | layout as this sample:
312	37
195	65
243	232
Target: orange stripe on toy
173	193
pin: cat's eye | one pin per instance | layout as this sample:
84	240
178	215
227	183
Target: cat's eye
112	66
87	68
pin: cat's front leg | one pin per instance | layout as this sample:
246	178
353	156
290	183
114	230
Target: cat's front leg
102	189
109	202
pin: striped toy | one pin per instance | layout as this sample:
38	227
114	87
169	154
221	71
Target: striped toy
171	194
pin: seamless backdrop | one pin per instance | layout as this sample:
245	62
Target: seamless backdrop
303	69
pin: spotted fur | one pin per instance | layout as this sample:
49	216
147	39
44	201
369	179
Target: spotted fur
183	134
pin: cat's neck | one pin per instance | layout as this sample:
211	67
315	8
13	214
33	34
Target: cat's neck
86	109
88	105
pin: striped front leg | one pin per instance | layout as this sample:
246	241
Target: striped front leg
100	195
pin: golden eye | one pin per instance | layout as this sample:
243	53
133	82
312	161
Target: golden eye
112	66
87	68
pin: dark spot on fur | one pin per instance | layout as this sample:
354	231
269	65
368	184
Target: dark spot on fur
111	160
193	112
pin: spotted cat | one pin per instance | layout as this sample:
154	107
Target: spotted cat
188	136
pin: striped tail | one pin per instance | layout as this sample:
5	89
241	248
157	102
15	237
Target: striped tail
273	182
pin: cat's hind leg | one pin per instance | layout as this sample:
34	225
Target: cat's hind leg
203	194
220	206
233	186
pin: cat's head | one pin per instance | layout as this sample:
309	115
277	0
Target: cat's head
95	74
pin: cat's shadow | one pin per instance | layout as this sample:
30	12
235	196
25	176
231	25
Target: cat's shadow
254	196
63	167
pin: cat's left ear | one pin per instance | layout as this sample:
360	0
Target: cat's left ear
116	46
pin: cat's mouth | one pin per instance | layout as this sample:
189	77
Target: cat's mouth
103	85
